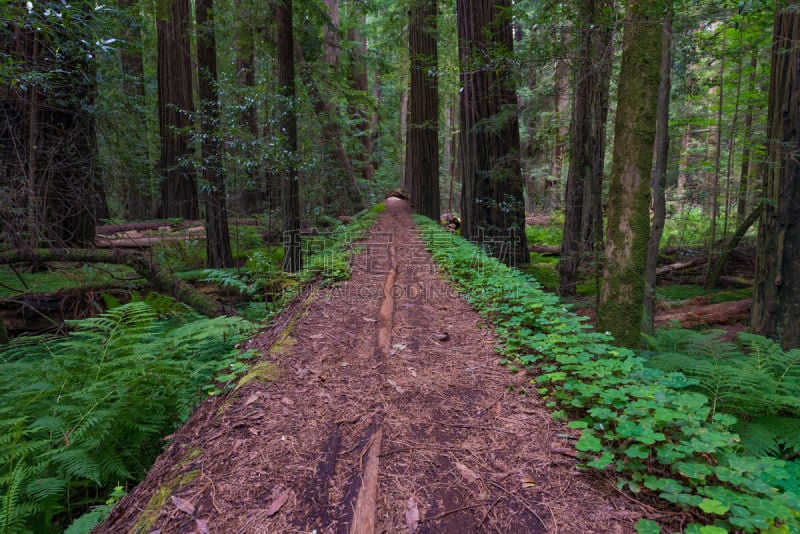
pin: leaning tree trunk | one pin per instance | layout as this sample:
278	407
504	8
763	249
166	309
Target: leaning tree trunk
776	305
290	183
218	240
175	105
658	180
620	307
492	203
422	139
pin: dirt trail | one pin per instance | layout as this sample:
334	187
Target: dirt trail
388	413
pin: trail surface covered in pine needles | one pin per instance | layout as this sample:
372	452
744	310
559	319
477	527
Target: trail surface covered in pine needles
381	409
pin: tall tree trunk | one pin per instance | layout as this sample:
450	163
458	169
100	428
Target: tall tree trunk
218	243
175	105
138	194
712	238
422	139
492	204
658	180
561	94
360	83
589	109
776	304
290	183
620	307
744	176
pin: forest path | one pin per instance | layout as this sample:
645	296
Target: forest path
388	413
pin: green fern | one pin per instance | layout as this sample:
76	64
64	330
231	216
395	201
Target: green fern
88	410
753	379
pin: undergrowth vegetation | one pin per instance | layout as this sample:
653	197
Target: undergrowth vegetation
656	429
82	415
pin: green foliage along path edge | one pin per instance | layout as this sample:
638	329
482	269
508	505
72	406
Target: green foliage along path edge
635	421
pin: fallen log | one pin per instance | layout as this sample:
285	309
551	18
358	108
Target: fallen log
158	276
541	249
144	241
724	312
680	266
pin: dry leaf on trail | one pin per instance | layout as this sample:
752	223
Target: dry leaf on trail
251	399
466	472
370	320
412	515
279	501
527	482
395	386
443	336
202	526
183	505
287	401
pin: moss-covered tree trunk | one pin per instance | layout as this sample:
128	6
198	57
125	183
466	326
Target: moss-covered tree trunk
620	306
422	139
776	304
492	203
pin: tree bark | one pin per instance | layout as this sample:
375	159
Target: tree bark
138	194
422	139
658	179
776	305
587	128
218	244
175	106
290	183
620	306
492	203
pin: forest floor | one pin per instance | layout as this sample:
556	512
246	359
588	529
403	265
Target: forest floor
379	407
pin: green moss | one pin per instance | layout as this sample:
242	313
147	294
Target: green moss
263	372
148	517
378	208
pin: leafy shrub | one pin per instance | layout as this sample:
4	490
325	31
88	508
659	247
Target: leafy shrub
637	421
754	380
81	413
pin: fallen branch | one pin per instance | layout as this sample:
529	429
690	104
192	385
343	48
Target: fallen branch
157	275
680	266
541	249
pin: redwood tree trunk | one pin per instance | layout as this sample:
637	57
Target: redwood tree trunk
620	306
658	180
492	203
776	305
290	183
138	194
175	105
218	244
589	110
422	139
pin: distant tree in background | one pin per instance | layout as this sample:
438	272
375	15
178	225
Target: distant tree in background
422	139
175	110
492	203
218	241
583	191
